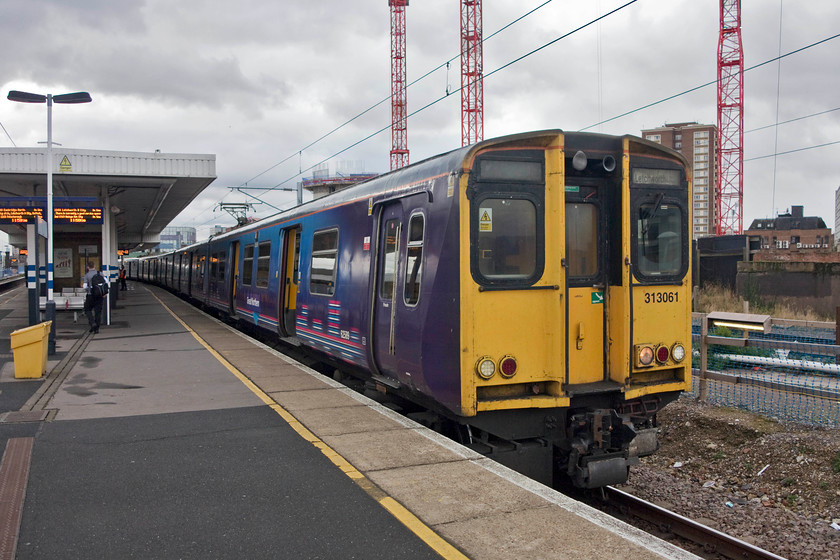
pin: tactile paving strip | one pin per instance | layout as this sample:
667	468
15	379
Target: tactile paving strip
14	472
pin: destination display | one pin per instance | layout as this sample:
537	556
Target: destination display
77	215
20	214
28	214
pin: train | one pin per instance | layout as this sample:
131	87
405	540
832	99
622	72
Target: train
530	293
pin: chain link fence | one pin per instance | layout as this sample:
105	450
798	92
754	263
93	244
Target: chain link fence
787	370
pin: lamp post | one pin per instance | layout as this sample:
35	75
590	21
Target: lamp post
49	99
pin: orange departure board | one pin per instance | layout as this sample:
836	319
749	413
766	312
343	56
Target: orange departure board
77	215
28	214
20	214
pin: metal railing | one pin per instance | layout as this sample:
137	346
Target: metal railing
791	372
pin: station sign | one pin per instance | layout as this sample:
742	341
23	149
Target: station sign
61	215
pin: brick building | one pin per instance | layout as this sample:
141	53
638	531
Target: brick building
697	143
792	231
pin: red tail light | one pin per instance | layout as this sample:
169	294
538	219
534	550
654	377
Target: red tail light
662	354
507	367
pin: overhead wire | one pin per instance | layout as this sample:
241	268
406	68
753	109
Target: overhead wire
8	135
388	98
520	58
773	155
707	84
443	97
776	124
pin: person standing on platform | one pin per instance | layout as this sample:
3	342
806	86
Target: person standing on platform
122	279
93	300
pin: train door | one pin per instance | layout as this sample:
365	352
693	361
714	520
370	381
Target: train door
585	282
397	292
291	268
234	276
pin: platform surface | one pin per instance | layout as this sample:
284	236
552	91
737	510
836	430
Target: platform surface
170	435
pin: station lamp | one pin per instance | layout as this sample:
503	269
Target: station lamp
49	99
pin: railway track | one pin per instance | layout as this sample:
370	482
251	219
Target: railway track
711	542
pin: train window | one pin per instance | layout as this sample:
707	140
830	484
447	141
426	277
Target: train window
414	260
214	266
248	265
263	261
389	265
324	260
582	239
222	266
659	239
507	238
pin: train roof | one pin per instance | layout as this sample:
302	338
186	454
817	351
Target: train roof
412	174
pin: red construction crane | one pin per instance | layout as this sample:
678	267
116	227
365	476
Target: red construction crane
399	136
472	80
729	183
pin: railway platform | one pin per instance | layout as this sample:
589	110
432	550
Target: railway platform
170	435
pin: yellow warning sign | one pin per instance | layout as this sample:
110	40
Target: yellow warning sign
485	220
65	166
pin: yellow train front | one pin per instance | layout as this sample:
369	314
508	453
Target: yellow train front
575	289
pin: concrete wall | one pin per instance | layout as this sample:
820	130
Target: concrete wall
814	285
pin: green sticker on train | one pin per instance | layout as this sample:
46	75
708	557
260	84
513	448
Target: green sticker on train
597	297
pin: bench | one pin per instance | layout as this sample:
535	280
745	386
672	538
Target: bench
67	303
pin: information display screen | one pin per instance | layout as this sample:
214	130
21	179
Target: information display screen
20	214
28	214
77	215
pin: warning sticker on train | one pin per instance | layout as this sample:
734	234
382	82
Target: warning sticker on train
485	220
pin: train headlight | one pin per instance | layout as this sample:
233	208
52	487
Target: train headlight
662	354
678	352
485	368
507	366
644	355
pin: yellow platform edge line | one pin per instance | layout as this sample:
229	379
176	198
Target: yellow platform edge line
392	506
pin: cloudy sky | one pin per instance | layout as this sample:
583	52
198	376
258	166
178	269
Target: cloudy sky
260	83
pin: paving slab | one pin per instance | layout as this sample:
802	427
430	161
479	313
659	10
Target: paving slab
435	499
345	420
533	534
389	449
326	397
299	381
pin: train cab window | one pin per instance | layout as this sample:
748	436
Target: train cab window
659	240
582	239
263	261
507	238
414	260
248	265
324	261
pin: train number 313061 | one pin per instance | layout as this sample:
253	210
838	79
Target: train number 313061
662	297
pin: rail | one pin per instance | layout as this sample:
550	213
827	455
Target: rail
710	540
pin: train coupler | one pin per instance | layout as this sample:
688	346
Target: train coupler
600	448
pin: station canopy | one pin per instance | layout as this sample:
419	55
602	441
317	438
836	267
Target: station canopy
143	191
